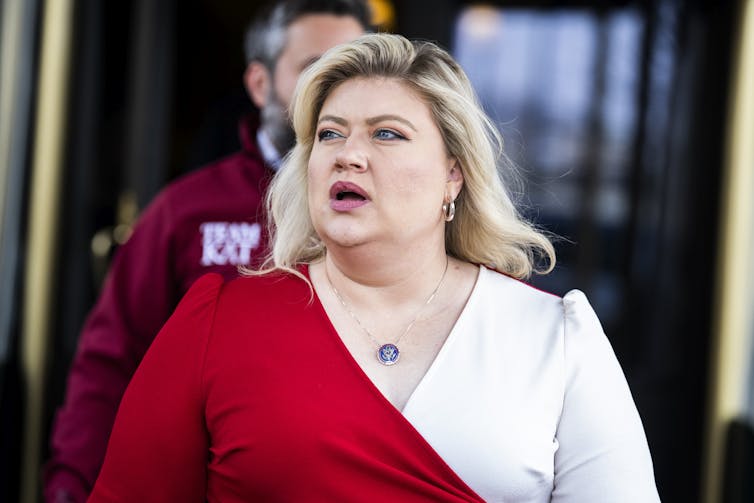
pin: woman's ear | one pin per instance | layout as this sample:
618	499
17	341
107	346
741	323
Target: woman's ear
258	82
455	178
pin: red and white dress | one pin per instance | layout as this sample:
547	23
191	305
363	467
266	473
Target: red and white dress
249	394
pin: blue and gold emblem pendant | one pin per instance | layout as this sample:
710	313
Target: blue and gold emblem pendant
388	354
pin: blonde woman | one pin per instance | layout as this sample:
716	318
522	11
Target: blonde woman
389	350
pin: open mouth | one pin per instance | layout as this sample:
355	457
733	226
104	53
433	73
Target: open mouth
347	195
347	191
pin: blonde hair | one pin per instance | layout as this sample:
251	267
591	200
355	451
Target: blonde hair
487	228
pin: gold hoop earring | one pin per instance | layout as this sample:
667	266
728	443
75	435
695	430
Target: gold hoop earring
449	210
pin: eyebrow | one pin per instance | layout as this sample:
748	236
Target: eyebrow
389	117
371	121
333	118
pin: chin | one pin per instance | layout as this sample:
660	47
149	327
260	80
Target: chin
346	238
348	241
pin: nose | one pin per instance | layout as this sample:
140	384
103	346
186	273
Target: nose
351	156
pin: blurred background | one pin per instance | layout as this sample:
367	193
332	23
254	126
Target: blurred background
631	122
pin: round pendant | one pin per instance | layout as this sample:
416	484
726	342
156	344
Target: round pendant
388	354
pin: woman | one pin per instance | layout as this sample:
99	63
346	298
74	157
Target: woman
374	359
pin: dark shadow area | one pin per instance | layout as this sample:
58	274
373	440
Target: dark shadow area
738	481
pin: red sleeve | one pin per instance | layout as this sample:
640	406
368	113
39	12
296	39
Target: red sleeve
137	298
158	449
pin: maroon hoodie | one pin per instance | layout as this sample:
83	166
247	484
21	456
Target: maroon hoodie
210	220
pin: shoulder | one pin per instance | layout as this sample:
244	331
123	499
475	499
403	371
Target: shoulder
228	190
255	307
202	295
567	325
520	318
573	308
194	187
218	175
275	288
192	319
579	314
584	339
515	295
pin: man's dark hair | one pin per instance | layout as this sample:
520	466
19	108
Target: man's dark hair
265	36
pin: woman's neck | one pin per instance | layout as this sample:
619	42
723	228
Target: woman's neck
370	276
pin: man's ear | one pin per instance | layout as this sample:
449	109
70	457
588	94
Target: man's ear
258	81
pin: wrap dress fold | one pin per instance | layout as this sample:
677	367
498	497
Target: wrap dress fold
249	394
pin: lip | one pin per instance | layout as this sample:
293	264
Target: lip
347	204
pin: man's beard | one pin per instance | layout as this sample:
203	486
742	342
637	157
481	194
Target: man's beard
277	125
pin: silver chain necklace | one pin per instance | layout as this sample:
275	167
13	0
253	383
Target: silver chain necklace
388	353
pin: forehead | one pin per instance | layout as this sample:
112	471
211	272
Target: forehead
310	35
363	98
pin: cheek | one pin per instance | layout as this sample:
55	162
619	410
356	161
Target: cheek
285	83
314	201
416	189
317	175
420	177
317	158
312	177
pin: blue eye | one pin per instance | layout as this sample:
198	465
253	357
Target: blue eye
388	134
327	134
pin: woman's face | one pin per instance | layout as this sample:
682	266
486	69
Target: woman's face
379	170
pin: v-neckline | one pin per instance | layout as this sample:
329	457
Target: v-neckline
371	388
437	360
455	333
